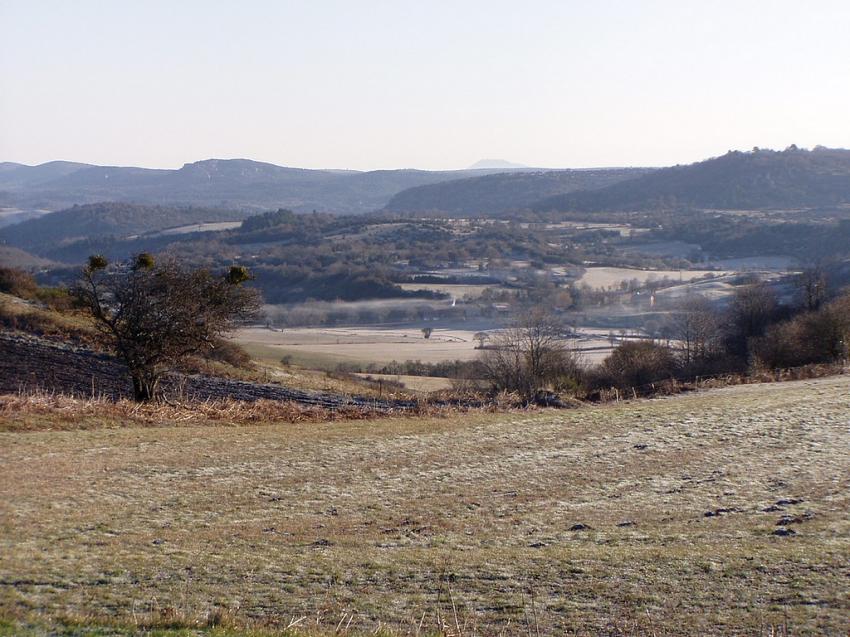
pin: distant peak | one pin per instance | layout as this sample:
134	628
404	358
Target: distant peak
495	163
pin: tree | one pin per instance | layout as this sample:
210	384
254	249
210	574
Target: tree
482	338
812	288
155	315
695	326
427	331
530	355
636	364
752	310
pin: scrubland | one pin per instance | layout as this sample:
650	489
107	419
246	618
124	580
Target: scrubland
719	512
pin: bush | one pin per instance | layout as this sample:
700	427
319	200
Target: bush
635	364
227	352
17	283
813	337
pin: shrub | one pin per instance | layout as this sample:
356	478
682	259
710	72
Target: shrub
813	337
17	283
636	364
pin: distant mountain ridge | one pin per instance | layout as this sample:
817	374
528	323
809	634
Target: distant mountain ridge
760	179
231	183
495	163
504	192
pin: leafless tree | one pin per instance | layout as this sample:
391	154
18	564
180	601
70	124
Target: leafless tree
530	355
695	326
751	311
155	315
812	288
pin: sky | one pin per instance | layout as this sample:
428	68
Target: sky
367	84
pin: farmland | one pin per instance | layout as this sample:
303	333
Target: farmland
652	517
606	277
326	348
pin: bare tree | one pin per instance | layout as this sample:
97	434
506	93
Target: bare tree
530	355
695	326
812	288
752	309
155	315
482	338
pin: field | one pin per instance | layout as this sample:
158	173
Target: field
606	277
456	290
322	347
325	348
655	517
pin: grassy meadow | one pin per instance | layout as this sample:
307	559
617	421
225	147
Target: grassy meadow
654	517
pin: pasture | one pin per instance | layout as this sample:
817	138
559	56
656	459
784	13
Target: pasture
326	348
362	344
716	512
608	277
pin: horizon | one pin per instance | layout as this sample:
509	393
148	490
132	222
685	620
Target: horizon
403	86
519	167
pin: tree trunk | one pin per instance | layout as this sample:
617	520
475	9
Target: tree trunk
145	387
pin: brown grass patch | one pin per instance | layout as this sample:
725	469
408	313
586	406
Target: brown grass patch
467	524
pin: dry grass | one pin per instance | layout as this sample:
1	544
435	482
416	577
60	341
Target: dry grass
327	347
17	314
39	411
460	525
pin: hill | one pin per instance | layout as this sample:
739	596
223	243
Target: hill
14	175
761	179
496	163
232	183
505	191
106	219
643	518
16	258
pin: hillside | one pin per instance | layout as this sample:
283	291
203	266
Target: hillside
105	219
722	512
13	175
233	183
760	179
503	192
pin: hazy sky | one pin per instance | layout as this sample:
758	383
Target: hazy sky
428	84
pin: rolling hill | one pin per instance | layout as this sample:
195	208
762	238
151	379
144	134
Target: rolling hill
505	191
231	183
761	179
92	221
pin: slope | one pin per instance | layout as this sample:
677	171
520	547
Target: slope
503	192
759	179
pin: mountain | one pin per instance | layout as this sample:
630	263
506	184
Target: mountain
93	221
498	164
503	192
14	175
230	183
761	179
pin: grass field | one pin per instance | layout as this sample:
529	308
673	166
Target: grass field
456	290
653	517
606	277
327	347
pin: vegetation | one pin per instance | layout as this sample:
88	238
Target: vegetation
675	506
498	194
105	220
156	315
760	179
529	356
